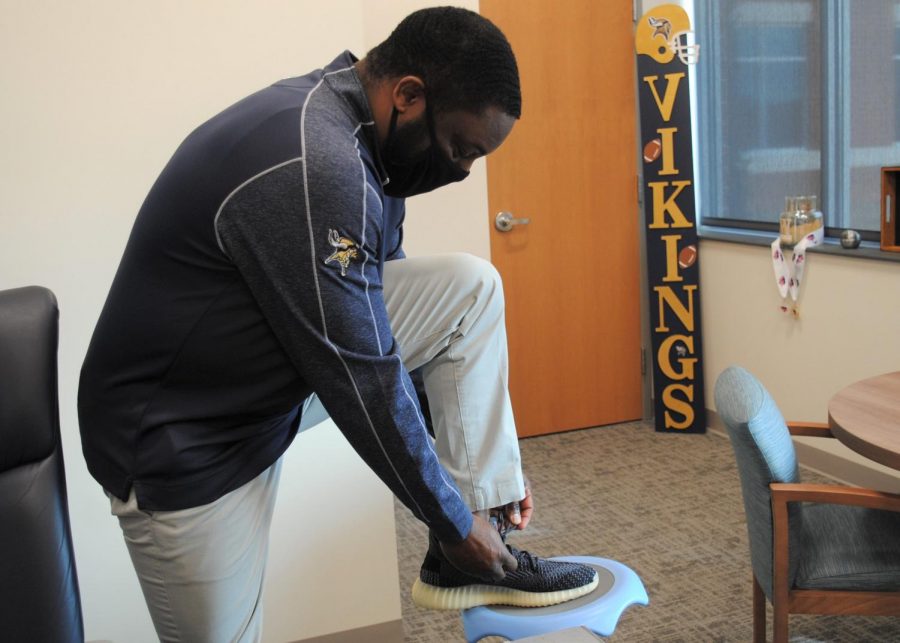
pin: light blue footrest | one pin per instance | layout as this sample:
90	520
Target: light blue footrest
598	611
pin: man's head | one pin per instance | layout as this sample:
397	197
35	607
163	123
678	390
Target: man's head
444	89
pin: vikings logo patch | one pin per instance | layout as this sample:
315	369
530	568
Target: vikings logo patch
661	27
345	251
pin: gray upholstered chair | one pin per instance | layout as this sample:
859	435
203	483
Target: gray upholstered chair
814	549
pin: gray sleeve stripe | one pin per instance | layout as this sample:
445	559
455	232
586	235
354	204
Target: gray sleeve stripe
331	345
375	321
332	73
238	189
362	168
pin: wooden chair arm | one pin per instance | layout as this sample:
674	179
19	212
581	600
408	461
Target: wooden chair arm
783	493
810	429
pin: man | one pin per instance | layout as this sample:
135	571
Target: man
265	267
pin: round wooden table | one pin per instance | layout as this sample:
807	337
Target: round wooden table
865	416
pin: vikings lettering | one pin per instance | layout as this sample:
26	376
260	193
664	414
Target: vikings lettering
683	406
685	314
671	241
685	363
667	143
668	100
345	251
662	41
664	204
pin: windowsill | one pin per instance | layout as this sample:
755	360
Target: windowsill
831	246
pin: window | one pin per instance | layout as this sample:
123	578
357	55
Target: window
796	97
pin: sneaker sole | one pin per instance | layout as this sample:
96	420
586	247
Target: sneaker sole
460	598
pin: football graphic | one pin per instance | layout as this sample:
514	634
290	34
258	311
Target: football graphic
687	256
652	150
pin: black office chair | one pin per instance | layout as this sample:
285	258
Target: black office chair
39	599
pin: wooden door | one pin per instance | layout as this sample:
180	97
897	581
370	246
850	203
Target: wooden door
571	275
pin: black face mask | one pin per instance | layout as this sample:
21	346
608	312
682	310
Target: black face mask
421	172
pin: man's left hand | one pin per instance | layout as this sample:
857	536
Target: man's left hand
519	513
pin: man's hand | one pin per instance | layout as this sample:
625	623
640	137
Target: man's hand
519	513
482	553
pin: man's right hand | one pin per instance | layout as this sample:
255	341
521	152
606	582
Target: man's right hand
482	553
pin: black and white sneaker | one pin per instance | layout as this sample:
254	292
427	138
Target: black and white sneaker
537	582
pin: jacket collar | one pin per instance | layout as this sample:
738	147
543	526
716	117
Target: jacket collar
340	76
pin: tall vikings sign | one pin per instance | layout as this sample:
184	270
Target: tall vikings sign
664	43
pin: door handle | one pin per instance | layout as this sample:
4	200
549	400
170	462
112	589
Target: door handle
505	221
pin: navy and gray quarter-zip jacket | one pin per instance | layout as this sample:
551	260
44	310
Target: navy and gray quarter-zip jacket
251	279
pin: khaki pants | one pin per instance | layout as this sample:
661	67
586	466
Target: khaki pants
202	569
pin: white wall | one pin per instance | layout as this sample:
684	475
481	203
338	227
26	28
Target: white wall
96	96
847	329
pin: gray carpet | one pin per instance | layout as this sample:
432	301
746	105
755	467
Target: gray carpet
668	506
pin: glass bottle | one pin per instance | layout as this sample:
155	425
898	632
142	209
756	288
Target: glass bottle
801	218
807	219
786	221
815	216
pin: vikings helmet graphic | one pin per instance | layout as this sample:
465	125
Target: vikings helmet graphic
664	32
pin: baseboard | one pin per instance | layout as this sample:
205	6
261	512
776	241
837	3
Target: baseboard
388	632
829	464
847	471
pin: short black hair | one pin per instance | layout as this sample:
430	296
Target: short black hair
464	59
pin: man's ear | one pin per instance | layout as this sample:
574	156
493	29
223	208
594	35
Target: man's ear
408	92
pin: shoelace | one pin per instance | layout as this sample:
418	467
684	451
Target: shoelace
527	561
500	522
